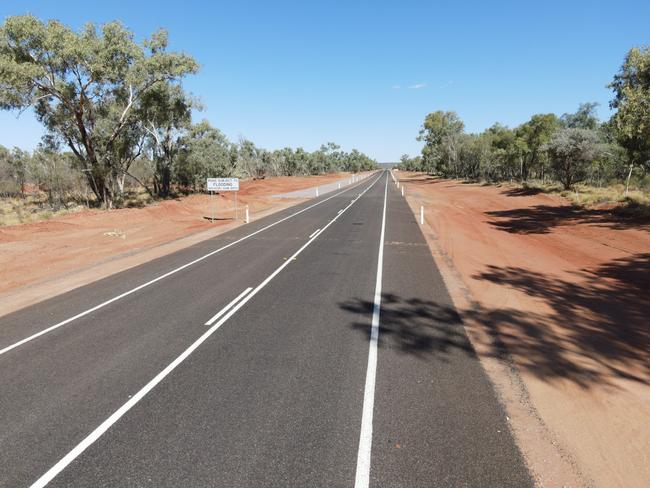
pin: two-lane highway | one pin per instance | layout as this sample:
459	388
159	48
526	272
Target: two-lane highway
316	347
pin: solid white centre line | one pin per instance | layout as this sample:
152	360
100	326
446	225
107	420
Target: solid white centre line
362	479
120	412
314	233
229	306
161	277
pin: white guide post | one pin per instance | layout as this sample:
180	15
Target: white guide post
212	206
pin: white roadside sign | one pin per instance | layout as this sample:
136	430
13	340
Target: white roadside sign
223	184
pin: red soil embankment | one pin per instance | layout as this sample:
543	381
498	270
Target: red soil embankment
44	252
559	294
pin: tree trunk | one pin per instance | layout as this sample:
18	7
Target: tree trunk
568	175
92	183
627	180
166	181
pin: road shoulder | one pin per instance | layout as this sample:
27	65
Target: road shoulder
549	463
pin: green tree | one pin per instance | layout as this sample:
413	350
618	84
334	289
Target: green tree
534	134
508	150
19	162
249	159
86	87
56	174
584	118
631	121
14	170
440	133
165	113
205	153
571	152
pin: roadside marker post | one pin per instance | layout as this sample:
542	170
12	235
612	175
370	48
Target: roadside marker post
247	216
222	184
316	191
421	215
402	191
339	185
212	206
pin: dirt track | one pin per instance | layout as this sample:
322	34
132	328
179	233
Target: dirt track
561	294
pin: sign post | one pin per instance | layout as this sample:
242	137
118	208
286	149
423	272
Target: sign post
222	184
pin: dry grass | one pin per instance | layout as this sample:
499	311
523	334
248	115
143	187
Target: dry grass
637	201
36	208
137	198
33	208
591	195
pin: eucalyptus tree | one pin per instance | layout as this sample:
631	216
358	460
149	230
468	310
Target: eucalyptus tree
286	161
6	184
534	134
335	158
583	118
408	163
249	159
19	162
53	172
356	161
14	170
441	132
204	152
631	121
301	161
165	114
86	87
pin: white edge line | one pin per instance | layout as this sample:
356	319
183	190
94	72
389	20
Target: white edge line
313	233
148	283
51	473
362	479
229	306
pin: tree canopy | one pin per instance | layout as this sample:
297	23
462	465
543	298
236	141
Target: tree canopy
119	108
570	148
88	88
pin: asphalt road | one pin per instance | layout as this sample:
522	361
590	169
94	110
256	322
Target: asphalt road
340	362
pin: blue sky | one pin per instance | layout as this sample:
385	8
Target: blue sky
364	74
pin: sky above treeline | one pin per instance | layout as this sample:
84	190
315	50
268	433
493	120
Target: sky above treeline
365	74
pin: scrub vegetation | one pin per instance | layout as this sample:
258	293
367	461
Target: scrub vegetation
591	161
119	123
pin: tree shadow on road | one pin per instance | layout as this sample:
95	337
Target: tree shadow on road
422	328
596	329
